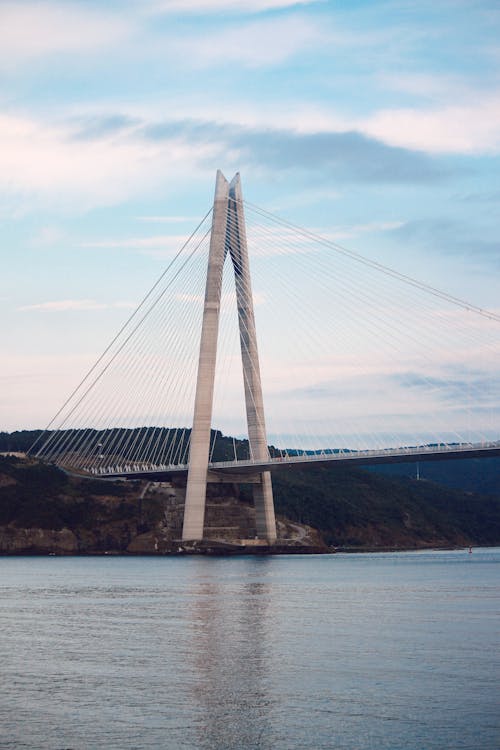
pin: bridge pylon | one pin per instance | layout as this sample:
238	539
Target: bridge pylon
228	236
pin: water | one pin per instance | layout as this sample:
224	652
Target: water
388	651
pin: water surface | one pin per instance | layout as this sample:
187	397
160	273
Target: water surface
391	651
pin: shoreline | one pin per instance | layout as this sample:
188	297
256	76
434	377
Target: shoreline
211	550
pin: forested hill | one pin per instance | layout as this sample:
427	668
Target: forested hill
351	508
471	475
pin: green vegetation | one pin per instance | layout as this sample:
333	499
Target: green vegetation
358	508
351	508
472	475
41	496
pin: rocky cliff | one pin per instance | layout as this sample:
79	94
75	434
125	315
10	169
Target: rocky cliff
43	511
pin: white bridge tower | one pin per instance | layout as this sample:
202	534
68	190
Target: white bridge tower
228	236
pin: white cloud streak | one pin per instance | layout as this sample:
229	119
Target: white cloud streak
469	127
216	6
166	219
253	45
79	305
37	29
164	242
469	124
43	160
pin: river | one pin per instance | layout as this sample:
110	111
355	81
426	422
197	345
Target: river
394	651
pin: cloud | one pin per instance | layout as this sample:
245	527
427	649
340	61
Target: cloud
450	236
350	155
383	401
158	246
467	120
428	232
92	127
47	236
437	86
167	219
252	45
67	305
470	389
468	128
39	158
119	157
269	239
216	6
485	196
36	29
47	161
300	198
354	230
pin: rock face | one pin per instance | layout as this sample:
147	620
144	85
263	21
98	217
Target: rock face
228	521
42	511
14	541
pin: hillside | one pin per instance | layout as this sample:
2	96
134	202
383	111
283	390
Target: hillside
472	475
43	510
360	508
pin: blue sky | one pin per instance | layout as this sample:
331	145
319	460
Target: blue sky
374	122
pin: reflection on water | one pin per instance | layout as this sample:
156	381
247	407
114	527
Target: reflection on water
351	652
231	661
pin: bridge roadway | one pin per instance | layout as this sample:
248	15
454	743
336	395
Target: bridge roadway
244	469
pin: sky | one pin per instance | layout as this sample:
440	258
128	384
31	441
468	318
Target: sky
375	122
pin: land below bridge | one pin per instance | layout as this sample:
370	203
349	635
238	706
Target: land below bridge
44	511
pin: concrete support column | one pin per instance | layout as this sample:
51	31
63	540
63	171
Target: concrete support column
237	244
228	235
194	511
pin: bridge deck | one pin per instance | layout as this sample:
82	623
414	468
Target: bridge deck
245	469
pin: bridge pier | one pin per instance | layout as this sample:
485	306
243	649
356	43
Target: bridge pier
194	510
228	235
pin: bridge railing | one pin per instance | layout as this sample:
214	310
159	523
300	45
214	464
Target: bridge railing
131	469
368	453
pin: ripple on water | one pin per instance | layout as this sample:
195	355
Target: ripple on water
384	651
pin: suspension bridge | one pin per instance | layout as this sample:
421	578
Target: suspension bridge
358	364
